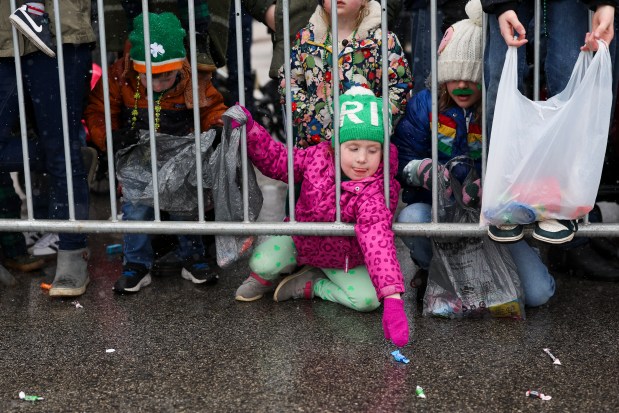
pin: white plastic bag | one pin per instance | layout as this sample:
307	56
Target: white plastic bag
546	157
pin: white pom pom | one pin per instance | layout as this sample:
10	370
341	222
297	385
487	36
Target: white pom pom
474	11
359	90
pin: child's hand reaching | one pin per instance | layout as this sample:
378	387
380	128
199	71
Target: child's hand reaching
471	193
419	173
395	324
249	122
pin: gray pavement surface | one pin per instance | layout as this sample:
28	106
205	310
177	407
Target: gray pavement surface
186	348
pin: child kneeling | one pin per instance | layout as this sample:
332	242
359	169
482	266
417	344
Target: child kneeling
357	272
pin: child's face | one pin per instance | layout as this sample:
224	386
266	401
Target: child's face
161	81
345	8
464	93
360	159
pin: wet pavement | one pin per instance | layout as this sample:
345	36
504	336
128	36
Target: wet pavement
181	347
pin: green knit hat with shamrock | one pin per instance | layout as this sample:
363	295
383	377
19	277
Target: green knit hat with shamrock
167	51
361	116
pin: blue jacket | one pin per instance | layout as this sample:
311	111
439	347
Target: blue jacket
413	138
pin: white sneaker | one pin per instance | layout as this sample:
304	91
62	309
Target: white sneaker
46	245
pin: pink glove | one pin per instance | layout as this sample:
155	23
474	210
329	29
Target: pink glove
395	324
249	123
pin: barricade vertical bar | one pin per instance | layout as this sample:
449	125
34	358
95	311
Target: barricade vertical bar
386	102
586	217
289	137
335	120
196	106
484	125
536	57
151	115
106	105
240	65
63	109
434	126
22	119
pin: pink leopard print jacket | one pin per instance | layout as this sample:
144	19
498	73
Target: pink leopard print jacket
362	202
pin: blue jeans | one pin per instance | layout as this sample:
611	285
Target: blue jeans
537	283
566	23
41	86
137	247
421	52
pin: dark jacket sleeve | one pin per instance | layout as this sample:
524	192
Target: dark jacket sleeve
413	138
412	135
498	7
393	9
593	4
257	8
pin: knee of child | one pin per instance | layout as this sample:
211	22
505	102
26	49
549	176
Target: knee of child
367	304
266	267
414	213
538	296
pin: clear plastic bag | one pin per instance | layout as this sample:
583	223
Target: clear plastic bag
227	173
468	276
546	157
176	171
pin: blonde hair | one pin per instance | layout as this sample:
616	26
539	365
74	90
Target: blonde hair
364	11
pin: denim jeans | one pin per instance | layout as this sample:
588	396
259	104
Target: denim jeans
41	86
538	284
137	247
566	23
421	59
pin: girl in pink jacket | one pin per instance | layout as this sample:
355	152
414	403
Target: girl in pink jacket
357	272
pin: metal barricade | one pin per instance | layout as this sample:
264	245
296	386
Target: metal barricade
113	225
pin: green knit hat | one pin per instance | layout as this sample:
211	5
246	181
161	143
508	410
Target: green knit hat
361	116
167	51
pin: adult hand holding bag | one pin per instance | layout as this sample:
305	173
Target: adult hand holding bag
546	157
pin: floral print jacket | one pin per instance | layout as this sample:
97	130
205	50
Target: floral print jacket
359	64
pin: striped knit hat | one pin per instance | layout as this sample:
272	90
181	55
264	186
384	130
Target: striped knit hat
167	51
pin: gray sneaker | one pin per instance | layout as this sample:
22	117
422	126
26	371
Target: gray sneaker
253	288
6	277
299	284
71	273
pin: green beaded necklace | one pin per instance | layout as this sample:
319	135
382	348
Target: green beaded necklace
134	112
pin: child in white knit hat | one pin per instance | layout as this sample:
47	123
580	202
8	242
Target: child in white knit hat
459	134
358	272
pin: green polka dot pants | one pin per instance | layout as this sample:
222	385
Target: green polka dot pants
353	289
274	256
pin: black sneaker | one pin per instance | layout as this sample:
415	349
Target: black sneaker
168	265
133	278
35	27
198	272
506	233
555	231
